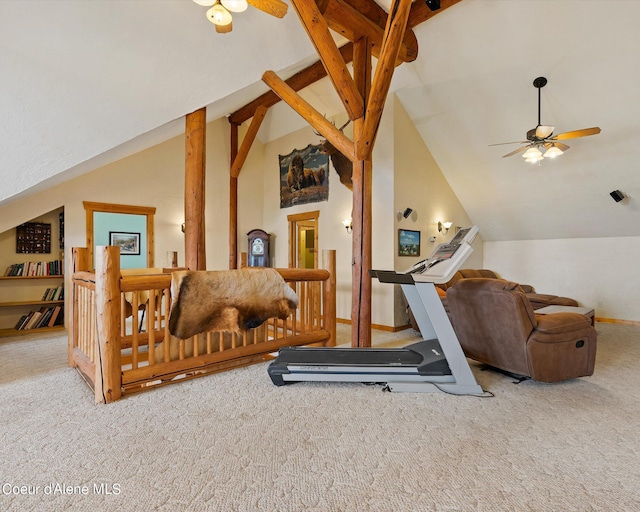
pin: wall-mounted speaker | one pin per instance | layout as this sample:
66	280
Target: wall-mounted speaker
617	196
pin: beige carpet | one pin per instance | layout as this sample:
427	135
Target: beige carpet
235	442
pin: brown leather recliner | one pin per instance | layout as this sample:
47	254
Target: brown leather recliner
496	325
538	300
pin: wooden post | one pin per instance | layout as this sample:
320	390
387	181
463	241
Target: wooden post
233	203
107	384
329	296
79	263
362	211
194	190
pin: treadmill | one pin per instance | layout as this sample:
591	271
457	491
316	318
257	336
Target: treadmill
435	364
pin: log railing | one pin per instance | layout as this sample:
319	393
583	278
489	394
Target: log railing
120	342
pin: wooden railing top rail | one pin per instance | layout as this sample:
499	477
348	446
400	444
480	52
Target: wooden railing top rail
304	274
140	282
145	282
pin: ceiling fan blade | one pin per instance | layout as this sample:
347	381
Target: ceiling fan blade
576	133
514	142
542	132
519	150
224	29
276	8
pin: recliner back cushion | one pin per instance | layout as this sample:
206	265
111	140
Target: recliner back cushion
492	319
466	273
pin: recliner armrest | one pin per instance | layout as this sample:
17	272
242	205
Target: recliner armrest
556	323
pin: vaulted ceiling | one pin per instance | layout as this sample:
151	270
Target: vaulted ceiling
85	83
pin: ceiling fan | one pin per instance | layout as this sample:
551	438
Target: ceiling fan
220	12
541	137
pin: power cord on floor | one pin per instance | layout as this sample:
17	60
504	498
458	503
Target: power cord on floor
485	393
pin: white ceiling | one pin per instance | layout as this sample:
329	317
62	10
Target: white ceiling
85	83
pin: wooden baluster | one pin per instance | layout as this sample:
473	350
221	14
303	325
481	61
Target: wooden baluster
151	328
329	296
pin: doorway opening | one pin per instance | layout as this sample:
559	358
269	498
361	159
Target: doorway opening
303	239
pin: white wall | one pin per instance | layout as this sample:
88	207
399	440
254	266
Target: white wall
332	234
154	177
602	273
420	185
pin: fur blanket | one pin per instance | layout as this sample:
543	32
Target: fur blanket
227	300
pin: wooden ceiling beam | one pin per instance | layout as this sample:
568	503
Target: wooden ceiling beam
297	82
276	8
318	32
339	140
247	142
304	78
396	25
354	19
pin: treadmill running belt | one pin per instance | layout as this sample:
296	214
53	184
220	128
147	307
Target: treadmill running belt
350	357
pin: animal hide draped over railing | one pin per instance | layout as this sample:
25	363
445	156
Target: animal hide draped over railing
119	335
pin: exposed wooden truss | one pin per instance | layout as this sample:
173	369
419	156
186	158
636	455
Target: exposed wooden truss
372	32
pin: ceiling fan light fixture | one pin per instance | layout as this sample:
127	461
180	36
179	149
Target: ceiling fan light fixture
534	159
235	5
218	15
532	152
553	152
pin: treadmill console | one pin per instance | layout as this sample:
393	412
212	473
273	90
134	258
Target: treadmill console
446	259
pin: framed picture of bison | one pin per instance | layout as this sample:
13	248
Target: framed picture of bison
304	176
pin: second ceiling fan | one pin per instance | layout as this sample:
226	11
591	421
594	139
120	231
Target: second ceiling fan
541	137
220	12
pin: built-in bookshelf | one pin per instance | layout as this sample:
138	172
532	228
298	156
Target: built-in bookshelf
31	275
31	303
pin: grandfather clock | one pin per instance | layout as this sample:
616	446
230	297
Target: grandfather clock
258	255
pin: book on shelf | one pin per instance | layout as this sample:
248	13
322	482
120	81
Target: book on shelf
56	293
44	319
23	320
35	269
47	316
54	316
33	320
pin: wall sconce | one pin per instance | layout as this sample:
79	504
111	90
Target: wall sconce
348	224
443	227
182	227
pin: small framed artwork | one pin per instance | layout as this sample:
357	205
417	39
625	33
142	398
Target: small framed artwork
129	243
408	242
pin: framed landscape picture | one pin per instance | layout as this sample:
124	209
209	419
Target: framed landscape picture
129	243
408	242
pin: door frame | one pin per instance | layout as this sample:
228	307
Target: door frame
302	218
92	207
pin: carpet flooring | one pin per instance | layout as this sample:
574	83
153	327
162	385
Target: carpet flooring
235	442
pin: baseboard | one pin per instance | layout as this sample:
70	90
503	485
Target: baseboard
390	328
380	327
617	321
